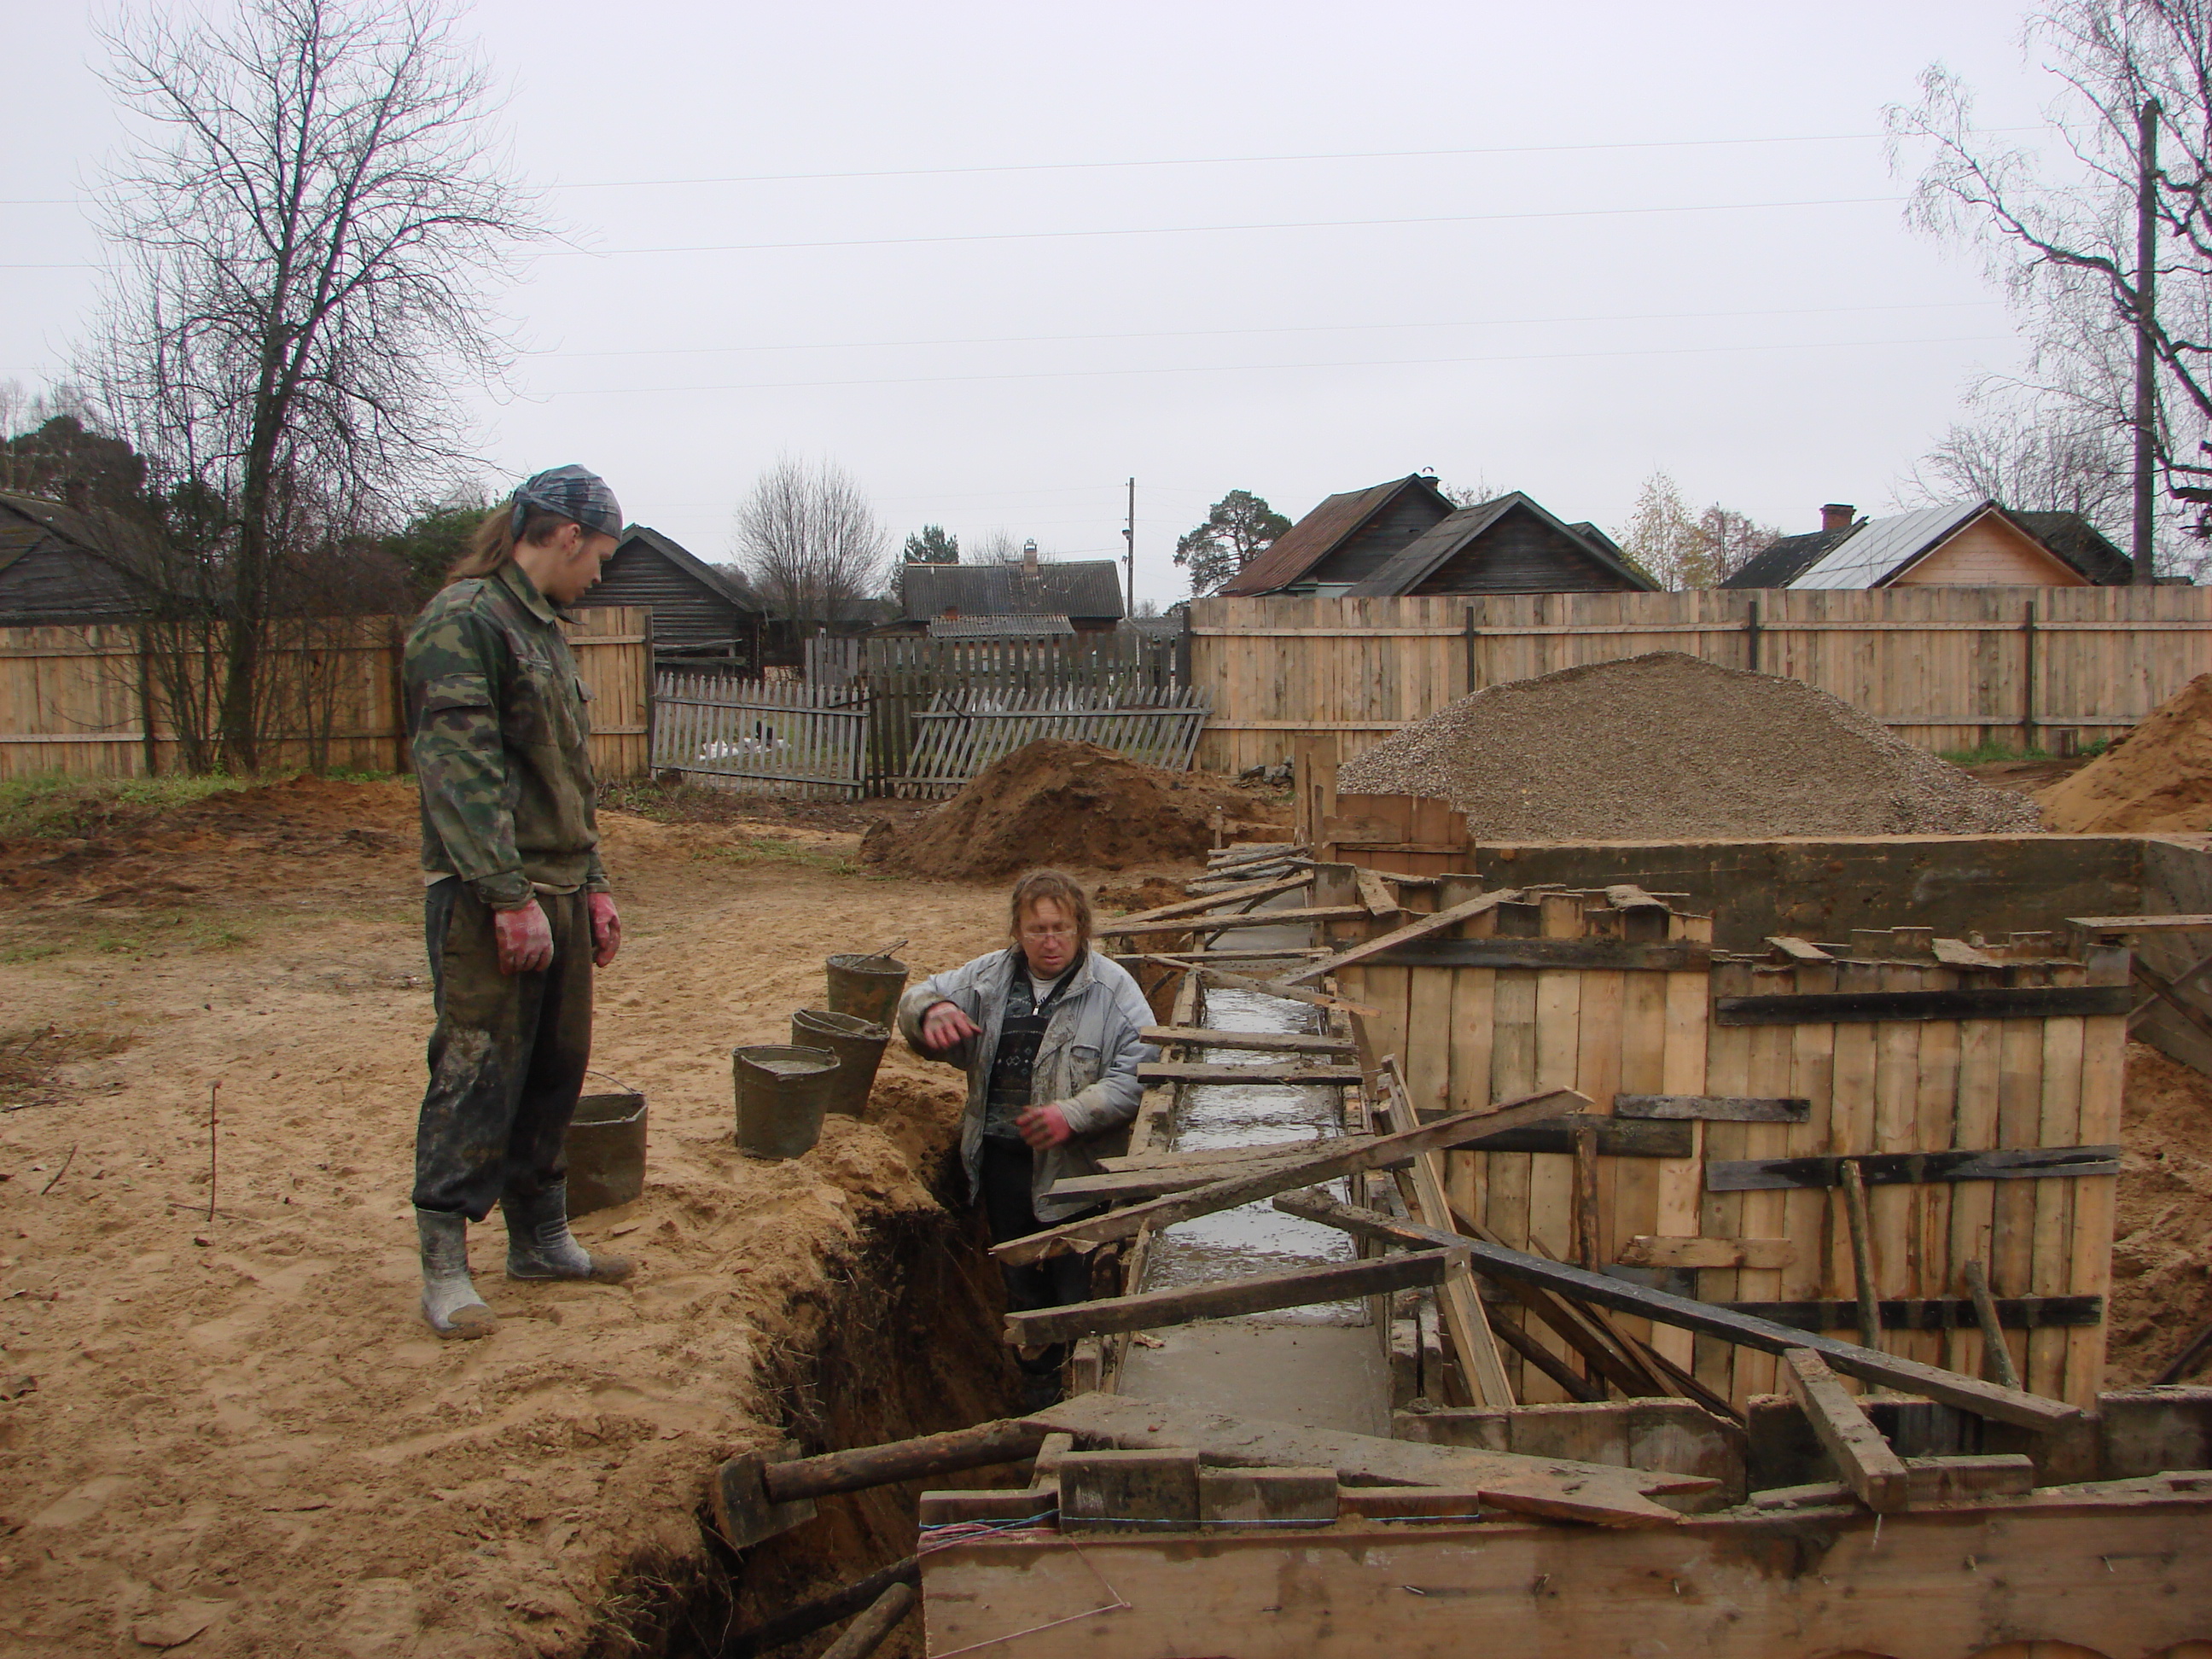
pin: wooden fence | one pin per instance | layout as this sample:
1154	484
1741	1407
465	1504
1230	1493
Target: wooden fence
88	703
776	738
1943	667
961	732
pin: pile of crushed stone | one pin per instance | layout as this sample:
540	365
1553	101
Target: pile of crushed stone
2159	776
1664	746
1058	802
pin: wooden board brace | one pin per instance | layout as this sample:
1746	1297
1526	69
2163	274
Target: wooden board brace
1588	955
1196	906
1288	1043
1861	1457
1725	1109
1173	1070
1912	1169
1931	1313
1420	928
1153	1309
1854	1007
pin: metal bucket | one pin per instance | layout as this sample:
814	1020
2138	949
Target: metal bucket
867	987
782	1090
605	1152
859	1045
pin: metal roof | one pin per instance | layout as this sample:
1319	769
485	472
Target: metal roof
1078	587
1880	547
1321	532
999	627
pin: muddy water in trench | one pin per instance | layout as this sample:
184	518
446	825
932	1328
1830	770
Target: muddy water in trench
1319	1366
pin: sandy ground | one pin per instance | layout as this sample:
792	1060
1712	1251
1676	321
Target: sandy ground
239	1427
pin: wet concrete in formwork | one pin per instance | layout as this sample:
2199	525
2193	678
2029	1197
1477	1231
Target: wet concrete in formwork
1318	1366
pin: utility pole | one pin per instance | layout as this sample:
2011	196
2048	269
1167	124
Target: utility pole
2146	317
1130	535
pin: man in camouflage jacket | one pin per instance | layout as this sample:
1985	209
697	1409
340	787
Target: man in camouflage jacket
517	910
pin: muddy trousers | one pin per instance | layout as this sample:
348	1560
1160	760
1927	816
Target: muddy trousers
507	1058
1008	1168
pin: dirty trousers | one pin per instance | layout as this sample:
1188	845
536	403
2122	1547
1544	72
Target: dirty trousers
507	1058
1008	1167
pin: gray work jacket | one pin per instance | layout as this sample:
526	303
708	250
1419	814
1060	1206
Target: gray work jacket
1086	1065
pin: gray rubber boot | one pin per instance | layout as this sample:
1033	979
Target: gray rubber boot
451	1305
540	1246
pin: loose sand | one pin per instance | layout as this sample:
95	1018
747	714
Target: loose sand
2158	776
255	1431
1663	746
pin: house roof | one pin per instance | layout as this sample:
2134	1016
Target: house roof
26	522
727	586
1420	558
999	627
1078	587
1321	532
1873	551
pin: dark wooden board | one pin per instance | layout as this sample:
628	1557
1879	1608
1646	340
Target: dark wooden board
1215	923
1855	1008
1727	1108
1617	1137
1153	1310
1288	1043
1935	1313
1590	954
1173	1070
1912	1169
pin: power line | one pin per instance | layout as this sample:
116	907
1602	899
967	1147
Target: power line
1254	368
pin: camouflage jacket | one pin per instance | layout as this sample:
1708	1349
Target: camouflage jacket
497	713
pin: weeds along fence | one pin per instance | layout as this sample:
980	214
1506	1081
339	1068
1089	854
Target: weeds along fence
1944	668
963	732
776	737
120	700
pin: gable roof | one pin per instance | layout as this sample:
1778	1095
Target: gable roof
1782	564
1078	587
1872	551
1321	532
999	627
1419	559
2080	543
722	584
64	565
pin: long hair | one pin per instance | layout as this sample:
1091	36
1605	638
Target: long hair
492	543
1050	884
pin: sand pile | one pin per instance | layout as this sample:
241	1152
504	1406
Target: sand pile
2158	777
2161	1295
1057	802
1663	746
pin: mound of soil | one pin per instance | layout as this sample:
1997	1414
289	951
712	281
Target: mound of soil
2158	777
1663	746
1057	802
2162	1234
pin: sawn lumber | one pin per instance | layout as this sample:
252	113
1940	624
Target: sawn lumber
1178	1070
1555	1488
1239	982
1461	1129
1283	1042
1196	906
1226	1299
1421	927
2028	1411
1215	923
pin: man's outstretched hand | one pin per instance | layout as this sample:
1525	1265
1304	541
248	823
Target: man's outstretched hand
607	929
525	939
945	1027
1044	1127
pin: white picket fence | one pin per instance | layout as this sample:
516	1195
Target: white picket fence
963	732
762	738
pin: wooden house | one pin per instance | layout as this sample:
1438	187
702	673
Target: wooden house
1026	600
698	612
1980	544
1345	539
62	565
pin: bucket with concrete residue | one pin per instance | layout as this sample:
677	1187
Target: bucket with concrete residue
782	1092
605	1152
859	1045
867	987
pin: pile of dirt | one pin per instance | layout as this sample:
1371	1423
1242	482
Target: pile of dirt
2162	1232
2158	777
1057	802
1663	746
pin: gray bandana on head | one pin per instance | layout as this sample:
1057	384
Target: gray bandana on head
573	492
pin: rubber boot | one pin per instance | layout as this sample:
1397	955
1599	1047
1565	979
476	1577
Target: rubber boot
451	1305
540	1246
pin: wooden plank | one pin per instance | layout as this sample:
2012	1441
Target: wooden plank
1226	1299
2137	924
1290	993
1588	955
1992	1324
1683	1066
1215	923
1931	1314
1460	1130
1957	953
2032	1002
1289	1043
1854	1210
1178	1070
1741	1109
1906	1169
1421	927
1123	1185
1555	1488
1382	904
1798	950
1861	1456
1616	1137
2007	1405
1243	892
1646	1251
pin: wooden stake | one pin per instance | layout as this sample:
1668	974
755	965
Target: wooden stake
1996	1356
1589	1248
866	1633
1855	1204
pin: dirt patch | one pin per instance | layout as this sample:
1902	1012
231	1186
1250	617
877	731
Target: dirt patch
2162	1235
1054	802
2159	776
1129	897
1664	746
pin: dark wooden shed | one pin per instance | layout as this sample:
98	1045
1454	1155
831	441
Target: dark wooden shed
1345	540
1509	545
698	612
63	566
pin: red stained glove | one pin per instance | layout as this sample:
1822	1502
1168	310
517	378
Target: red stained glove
607	929
525	939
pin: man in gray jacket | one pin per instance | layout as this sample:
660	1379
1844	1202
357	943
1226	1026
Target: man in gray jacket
1051	1035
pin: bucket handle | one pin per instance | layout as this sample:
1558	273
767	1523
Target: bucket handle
590	1070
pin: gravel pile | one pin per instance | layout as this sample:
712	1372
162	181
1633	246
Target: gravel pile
1664	746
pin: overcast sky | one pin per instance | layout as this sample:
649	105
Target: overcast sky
994	260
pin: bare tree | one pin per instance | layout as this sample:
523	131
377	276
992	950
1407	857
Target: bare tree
810	541
1732	540
2031	461
304	239
2062	235
1662	539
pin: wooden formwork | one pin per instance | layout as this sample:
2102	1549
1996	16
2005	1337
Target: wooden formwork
1569	989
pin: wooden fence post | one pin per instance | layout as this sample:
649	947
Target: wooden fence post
1751	638
2027	706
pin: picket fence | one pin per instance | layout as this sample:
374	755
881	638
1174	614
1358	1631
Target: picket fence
776	738
963	732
